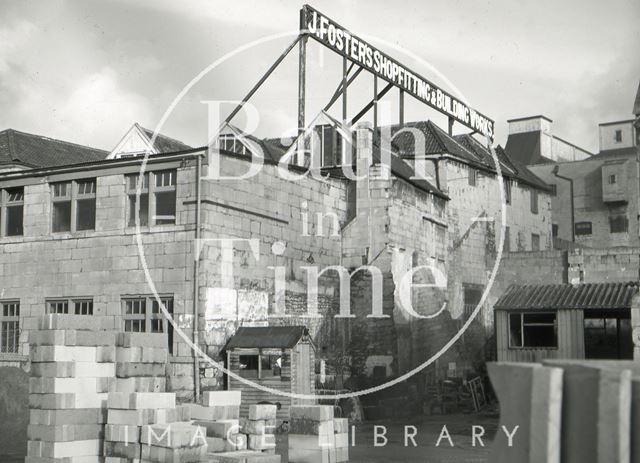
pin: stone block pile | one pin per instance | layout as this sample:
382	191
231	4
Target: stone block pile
315	436
141	360
72	370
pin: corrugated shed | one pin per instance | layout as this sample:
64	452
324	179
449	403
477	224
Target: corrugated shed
256	337
554	297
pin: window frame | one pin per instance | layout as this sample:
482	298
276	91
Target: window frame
535	237
522	315
5	204
150	314
583	224
71	305
612	179
10	321
534	199
473	177
151	190
507	191
623	218
617	136
73	195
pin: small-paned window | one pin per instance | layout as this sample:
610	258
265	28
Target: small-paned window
10	327
533	330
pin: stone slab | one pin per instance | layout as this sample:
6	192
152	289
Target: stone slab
129	370
64	432
122	433
221	428
73	369
244	457
61	417
312	412
177	455
213	398
221	412
309	442
311	427
141	400
261	441
141	354
77	448
140	384
67	401
143	417
262	412
74	322
129	339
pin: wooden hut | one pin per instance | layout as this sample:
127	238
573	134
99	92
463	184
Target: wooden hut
278	357
592	321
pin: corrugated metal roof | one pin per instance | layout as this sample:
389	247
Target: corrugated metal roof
252	337
585	296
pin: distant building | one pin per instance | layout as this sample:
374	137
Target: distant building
595	197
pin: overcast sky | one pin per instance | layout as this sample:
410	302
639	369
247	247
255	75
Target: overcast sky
84	71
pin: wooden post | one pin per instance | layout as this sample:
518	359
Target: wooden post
401	106
451	121
375	102
302	58
344	89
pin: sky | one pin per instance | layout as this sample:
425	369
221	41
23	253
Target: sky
84	71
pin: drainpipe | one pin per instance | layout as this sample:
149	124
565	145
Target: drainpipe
556	169
196	272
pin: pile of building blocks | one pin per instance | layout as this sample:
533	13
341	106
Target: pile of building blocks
141	360
72	369
260	428
315	436
218	412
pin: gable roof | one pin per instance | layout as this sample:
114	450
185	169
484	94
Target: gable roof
464	148
566	296
30	150
256	337
137	141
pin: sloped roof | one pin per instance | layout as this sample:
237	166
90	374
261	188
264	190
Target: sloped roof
525	147
621	152
554	297
164	144
256	337
33	150
463	147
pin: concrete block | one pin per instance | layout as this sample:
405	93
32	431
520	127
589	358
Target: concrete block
129	370
141	384
261	441
64	432
257	426
63	354
221	428
308	456
67	401
80	459
310	442
341	425
92	447
173	435
311	427
122	433
213	398
62	417
234	442
72	369
174	455
62	385
596	412
530	397
342	454
129	339
220	412
143	417
141	354
129	451
262	412
312	412
341	440
249	456
141	400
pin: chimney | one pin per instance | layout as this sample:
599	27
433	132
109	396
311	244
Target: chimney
538	123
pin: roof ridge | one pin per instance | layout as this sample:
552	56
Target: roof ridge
160	134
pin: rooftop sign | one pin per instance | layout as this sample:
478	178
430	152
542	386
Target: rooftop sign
343	42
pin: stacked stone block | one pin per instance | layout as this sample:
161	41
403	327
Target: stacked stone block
260	427
223	434
127	430
72	370
315	436
141	360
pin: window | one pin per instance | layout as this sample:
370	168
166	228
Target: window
157	204
229	142
554	230
618	136
132	188
473	176
507	191
12	201
10	327
554	189
532	329
80	306
618	224
534	200
535	242
260	365
612	179
74	206
583	228
142	314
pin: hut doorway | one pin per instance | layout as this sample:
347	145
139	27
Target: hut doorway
607	334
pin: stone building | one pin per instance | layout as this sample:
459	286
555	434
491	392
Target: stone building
69	241
595	197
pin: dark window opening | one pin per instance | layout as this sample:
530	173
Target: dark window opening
13	211
618	136
583	228
10	327
507	191
535	242
473	177
554	230
533	330
534	201
618	224
138	318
